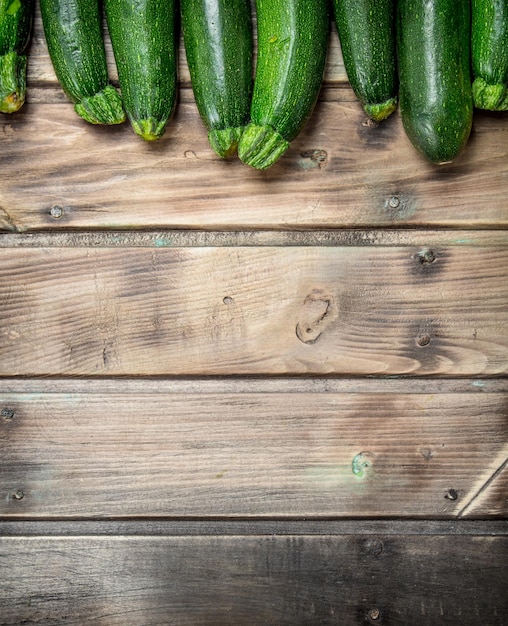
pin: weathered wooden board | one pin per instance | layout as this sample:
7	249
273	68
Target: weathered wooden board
253	310
338	173
118	451
491	496
214	580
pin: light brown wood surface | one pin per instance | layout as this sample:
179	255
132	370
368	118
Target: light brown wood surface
254	310
126	453
108	178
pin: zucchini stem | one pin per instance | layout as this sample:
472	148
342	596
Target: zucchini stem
261	146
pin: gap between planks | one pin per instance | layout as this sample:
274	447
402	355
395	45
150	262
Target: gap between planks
257	238
242	385
248	527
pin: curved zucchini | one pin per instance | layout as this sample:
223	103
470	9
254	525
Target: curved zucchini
366	31
73	31
16	17
218	43
292	46
489	50
144	39
436	104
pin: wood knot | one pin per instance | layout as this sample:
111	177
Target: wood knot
313	158
316	314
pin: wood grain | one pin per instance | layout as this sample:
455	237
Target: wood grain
338	173
492	495
157	454
254	310
346	580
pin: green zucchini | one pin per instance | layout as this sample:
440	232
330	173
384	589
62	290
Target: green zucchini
144	39
292	45
434	52
73	31
16	17
217	36
489	51
366	30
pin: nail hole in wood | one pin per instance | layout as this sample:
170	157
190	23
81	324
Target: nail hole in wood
374	547
374	614
423	341
56	211
7	413
452	494
426	257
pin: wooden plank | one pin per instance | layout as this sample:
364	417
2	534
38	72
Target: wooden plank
249	310
338	173
346	580
491	495
154	455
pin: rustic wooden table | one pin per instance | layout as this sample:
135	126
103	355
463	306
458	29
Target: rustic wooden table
241	397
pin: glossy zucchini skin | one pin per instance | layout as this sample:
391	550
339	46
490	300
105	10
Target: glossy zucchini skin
16	18
73	31
218	44
292	40
434	52
366	31
489	51
144	37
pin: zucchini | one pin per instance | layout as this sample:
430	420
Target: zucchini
73	31
366	30
144	39
292	45
489	51
434	52
217	37
16	17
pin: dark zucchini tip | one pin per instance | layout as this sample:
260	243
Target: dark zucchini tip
150	129
225	142
105	107
12	82
488	96
439	144
379	112
261	146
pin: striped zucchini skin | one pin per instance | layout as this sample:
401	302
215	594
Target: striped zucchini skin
489	50
436	104
219	48
292	46
73	31
16	17
366	31
144	39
